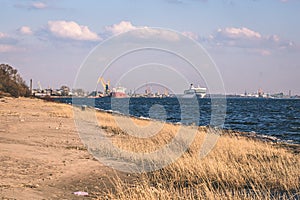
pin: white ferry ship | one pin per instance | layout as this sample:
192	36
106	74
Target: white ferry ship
195	91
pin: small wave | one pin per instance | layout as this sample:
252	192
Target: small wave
268	137
144	118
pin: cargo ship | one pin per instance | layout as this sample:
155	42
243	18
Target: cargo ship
194	92
119	92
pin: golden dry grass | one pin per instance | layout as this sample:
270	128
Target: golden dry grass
237	168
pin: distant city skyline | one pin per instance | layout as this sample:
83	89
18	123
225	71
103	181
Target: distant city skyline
255	44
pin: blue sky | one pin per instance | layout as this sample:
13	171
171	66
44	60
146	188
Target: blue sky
254	43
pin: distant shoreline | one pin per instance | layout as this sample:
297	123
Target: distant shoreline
174	96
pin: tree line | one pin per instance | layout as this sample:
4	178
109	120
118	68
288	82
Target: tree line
11	83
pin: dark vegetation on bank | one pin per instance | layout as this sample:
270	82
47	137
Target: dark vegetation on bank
11	83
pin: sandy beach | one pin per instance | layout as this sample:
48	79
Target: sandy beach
42	157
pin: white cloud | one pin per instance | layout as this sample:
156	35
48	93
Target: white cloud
191	35
25	30
249	39
142	31
122	27
237	33
72	30
35	5
275	38
39	5
163	34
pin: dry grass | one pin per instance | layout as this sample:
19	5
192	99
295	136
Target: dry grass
237	168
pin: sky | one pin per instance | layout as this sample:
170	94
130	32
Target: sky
254	43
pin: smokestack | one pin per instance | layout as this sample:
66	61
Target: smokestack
30	86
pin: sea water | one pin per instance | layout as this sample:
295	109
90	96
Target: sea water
272	117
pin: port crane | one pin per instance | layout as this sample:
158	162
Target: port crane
105	85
